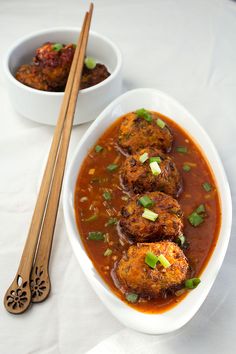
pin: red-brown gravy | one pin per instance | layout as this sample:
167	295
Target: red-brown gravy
89	201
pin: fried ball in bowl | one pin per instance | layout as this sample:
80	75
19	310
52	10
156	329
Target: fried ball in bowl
32	76
135	275
136	133
137	176
168	224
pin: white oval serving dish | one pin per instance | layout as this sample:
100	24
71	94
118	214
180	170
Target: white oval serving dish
44	107
179	315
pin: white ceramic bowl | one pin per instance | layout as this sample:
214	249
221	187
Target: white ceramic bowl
185	310
44	107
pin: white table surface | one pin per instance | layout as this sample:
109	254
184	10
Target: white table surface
187	48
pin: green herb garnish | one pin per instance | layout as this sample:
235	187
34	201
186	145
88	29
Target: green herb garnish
143	157
111	221
182	149
146	202
186	167
57	47
90	63
107	195
151	259
131	297
144	114
149	215
160	123
96	236
155	159
98	148
112	167
207	186
192	283
92	218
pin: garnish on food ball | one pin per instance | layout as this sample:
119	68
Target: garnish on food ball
90	63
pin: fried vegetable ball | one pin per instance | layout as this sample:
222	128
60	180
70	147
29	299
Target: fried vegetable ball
32	76
55	61
137	133
138	177
94	76
135	275
168	224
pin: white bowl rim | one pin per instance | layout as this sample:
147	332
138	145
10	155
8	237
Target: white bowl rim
23	39
73	238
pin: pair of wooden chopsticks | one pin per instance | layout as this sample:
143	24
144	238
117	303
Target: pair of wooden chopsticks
32	282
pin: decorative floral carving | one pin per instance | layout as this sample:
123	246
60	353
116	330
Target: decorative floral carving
37	285
17	297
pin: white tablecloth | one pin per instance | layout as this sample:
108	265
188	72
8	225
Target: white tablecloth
186	48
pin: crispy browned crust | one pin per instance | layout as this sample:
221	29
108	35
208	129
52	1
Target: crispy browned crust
137	177
136	133
168	225
134	275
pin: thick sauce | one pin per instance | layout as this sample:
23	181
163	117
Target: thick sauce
94	179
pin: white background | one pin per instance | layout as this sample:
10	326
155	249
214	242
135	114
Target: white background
187	48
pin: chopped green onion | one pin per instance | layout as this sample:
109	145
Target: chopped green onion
207	186
57	47
155	158
112	167
162	259
150	215
151	259
131	297
107	195
108	252
192	283
90	63
156	170
181	240
145	201
111	221
182	149
160	123
195	219
201	209
98	148
92	218
96	236
144	114
186	168
143	157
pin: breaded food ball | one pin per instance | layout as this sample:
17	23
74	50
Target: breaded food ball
168	223
136	132
135	275
137	176
32	76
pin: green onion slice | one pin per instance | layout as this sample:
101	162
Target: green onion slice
192	283
143	157
150	215
186	167
201	209
155	159
160	123
108	252
207	186
92	218
111	221
107	195
112	167
96	236
195	219
131	297
182	149
98	148
181	240
151	259
90	63
162	259
156	170
57	47
144	114
146	202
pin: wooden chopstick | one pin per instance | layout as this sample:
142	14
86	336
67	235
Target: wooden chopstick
18	296
40	273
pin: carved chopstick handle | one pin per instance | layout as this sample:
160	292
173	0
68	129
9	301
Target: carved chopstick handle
18	296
